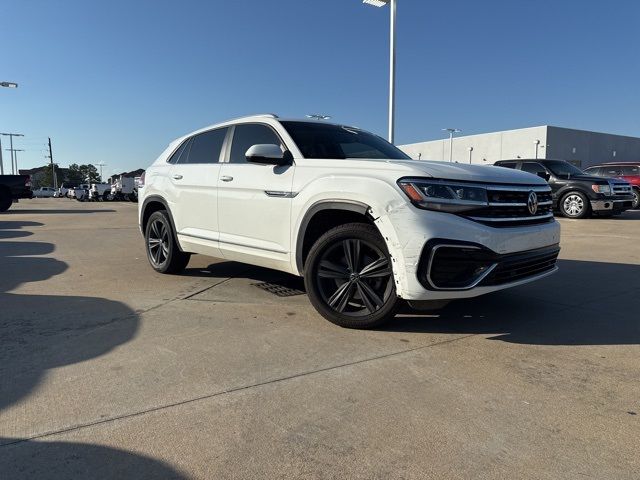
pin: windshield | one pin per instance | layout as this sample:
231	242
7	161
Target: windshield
562	169
318	140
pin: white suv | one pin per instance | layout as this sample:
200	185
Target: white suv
362	222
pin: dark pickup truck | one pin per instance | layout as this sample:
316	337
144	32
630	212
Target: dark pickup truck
575	193
14	187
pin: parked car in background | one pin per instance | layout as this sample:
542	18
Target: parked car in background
12	188
100	191
576	194
124	188
80	193
628	171
363	224
65	187
44	192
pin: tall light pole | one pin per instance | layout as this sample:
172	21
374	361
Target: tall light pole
392	61
101	164
11	135
470	153
14	154
536	143
451	132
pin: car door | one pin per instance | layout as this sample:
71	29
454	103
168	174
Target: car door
193	188
254	201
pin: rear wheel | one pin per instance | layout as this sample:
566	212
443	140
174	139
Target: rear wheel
5	200
162	250
575	205
349	278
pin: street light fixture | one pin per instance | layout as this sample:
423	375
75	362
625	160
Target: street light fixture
392	60
9	84
451	132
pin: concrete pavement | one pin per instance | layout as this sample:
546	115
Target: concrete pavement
109	370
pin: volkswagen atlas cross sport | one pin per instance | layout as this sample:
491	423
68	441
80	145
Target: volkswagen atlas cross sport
364	224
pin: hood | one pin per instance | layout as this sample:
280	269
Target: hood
470	173
591	178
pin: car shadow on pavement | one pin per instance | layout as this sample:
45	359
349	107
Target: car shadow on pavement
584	303
43	332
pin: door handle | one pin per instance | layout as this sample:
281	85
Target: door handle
226	178
177	177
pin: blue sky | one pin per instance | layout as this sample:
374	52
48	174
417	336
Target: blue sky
115	81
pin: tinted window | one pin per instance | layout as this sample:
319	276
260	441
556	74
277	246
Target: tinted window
562	169
611	172
176	155
317	140
206	147
533	167
247	135
630	170
507	164
596	171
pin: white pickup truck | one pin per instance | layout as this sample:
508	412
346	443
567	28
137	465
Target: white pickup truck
100	192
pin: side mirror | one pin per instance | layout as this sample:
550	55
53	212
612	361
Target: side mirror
268	154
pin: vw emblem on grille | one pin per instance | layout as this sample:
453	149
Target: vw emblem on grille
532	203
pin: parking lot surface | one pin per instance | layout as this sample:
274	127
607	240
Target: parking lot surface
109	370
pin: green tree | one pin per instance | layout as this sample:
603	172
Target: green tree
74	174
47	176
90	172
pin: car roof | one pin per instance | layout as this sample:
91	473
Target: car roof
614	163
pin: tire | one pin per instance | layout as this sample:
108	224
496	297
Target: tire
5	200
162	250
575	205
349	279
636	199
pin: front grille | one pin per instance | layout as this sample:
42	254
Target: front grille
621	189
509	206
514	267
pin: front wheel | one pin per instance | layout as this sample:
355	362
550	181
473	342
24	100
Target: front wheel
636	199
162	250
575	205
349	278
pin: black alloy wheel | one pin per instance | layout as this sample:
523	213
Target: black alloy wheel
162	250
349	277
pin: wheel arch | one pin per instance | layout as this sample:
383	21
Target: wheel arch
154	203
315	222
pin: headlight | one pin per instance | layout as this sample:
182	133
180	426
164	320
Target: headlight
606	189
444	196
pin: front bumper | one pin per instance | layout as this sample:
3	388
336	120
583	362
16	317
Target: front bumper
409	231
616	203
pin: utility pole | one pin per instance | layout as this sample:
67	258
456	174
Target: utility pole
53	167
104	165
14	155
1	162
11	135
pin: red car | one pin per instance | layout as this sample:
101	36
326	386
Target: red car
629	171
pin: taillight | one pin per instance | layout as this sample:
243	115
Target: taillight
27	182
141	181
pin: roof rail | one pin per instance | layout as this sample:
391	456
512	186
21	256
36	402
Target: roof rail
267	115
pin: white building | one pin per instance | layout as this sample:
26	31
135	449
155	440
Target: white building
580	147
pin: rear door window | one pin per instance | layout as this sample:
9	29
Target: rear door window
205	147
507	164
631	170
533	167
